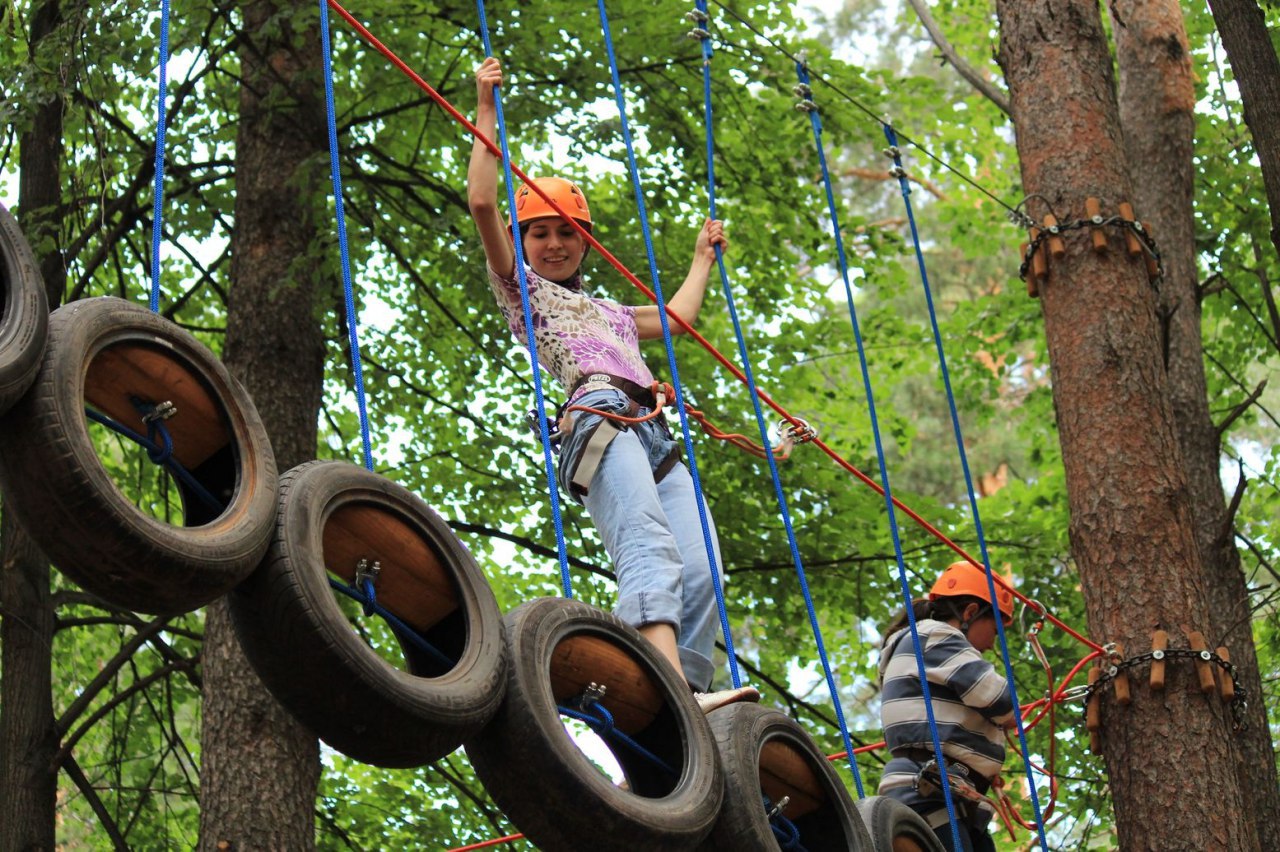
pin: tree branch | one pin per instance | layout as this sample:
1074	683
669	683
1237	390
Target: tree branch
964	69
1240	409
77	776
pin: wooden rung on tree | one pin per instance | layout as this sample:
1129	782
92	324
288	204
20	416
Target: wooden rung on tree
1093	713
1204	668
1226	684
1057	248
1130	238
1159	642
1121	679
1093	209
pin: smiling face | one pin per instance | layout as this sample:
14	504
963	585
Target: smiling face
553	248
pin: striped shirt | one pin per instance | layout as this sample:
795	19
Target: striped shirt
970	703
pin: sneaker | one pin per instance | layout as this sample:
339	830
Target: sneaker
708	701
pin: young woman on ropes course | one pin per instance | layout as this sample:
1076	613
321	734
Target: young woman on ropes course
628	474
971	703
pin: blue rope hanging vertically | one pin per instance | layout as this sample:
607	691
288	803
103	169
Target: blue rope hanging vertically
162	122
802	74
348	289
522	279
709	125
905	186
671	353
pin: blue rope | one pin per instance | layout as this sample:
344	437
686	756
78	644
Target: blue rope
370	606
784	830
968	477
671	353
348	289
162	454
803	74
157	204
523	280
602	724
763	427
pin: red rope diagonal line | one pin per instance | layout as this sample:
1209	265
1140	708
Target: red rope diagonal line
640	285
487	844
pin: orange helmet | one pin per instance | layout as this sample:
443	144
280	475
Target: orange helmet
530	205
964	578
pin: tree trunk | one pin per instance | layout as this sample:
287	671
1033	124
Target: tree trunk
1157	109
1243	28
28	739
260	768
1131	530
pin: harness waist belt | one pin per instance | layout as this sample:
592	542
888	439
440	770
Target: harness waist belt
922	756
638	394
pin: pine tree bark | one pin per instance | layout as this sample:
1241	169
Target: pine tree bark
28	737
1157	109
1132	532
260	768
1256	68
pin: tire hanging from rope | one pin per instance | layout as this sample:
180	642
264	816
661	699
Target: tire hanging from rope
24	312
762	750
380	707
136	368
567	654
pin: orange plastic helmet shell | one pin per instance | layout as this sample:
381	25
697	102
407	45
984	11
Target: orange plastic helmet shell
530	205
964	578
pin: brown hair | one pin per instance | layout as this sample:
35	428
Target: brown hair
942	609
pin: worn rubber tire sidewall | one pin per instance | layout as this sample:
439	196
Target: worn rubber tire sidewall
543	782
887	818
303	648
741	731
24	313
70	506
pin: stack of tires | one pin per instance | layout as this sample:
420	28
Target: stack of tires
288	549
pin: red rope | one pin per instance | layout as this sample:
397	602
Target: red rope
497	841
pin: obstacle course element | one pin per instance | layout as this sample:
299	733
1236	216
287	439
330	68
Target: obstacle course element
779	787
24	313
340	518
566	653
894	827
136	368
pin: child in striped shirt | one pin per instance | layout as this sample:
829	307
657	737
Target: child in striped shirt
970	701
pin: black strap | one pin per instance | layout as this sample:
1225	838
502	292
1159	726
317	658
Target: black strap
639	394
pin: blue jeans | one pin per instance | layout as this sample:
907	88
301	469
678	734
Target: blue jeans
651	531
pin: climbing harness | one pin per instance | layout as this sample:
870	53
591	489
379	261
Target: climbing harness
652	400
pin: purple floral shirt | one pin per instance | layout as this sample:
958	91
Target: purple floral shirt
576	333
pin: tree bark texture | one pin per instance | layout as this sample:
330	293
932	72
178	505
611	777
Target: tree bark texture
1157	110
260	768
1168	754
1243	28
28	737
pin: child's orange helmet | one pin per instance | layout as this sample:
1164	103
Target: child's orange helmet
964	578
530	205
